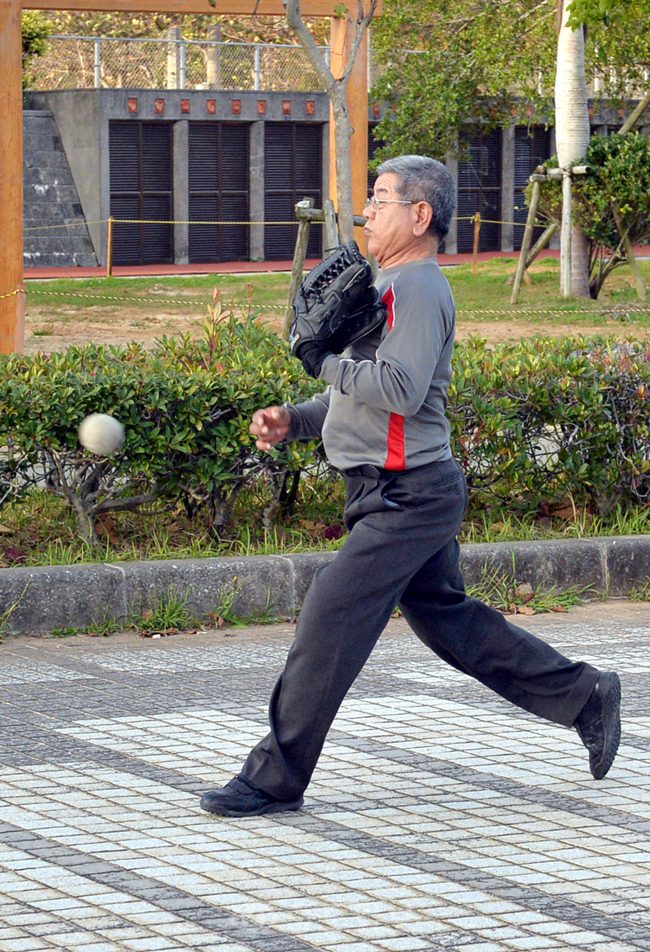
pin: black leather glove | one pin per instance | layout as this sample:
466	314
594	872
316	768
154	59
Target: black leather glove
311	355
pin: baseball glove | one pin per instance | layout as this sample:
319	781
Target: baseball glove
335	306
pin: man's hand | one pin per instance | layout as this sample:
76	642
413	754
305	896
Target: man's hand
270	426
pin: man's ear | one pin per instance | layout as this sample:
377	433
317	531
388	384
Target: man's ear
424	213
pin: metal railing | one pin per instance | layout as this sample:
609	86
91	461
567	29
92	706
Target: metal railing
82	62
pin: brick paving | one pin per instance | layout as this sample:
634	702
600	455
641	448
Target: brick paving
439	817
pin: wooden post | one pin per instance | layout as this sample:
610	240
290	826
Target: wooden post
12	295
525	244
330	230
357	98
477	234
109	248
539	246
566	284
299	256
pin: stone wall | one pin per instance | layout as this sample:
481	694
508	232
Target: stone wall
56	233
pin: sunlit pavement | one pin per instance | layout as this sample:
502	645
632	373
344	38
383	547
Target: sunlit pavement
439	817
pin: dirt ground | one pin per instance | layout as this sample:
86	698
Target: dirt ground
48	332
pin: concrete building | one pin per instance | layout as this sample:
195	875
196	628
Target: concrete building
224	167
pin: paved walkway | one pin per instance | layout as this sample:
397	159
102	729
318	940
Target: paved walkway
439	818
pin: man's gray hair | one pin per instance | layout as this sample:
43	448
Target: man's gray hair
421	179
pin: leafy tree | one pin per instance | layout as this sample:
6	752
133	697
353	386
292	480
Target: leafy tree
336	88
35	30
470	62
604	11
611	204
490	61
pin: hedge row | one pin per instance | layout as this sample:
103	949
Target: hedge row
185	405
541	420
552	419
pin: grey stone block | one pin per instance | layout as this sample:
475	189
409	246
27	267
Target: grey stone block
33	600
305	567
249	586
628	563
544	565
86	260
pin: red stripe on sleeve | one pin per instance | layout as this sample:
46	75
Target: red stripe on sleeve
388	299
396	457
396	453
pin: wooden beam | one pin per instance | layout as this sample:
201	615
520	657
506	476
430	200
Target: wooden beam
341	34
312	8
12	300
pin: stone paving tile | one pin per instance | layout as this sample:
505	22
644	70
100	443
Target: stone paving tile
439	817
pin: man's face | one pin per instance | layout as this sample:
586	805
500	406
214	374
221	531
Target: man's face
393	230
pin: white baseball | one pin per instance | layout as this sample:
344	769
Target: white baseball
101	434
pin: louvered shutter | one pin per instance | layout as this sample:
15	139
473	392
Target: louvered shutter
373	145
293	171
479	190
491	191
532	148
219	191
141	188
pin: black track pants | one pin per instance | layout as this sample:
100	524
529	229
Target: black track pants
401	550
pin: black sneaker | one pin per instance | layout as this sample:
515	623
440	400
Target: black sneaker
240	797
599	723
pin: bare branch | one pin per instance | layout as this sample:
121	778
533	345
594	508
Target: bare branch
363	22
634	117
308	43
130	503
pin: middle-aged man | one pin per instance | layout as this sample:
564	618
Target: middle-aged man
383	424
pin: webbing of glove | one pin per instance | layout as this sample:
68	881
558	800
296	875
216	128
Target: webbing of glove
315	285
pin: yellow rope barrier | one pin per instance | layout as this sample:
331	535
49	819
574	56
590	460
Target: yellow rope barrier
180	221
155	221
577	312
66	224
160	221
469	312
12	293
124	299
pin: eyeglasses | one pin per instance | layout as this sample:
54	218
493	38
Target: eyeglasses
376	203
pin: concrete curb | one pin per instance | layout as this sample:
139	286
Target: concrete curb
35	600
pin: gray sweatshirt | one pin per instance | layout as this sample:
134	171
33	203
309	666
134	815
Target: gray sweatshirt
386	402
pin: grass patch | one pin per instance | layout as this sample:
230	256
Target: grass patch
540	303
499	525
265	289
41	529
483	297
170	614
511	598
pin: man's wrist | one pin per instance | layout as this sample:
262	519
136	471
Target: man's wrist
329	368
312	356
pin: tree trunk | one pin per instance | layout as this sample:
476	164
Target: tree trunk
342	136
572	135
336	88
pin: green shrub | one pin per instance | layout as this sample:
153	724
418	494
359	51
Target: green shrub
185	406
540	421
617	186
552	419
35	32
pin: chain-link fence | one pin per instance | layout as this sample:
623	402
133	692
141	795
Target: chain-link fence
81	62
